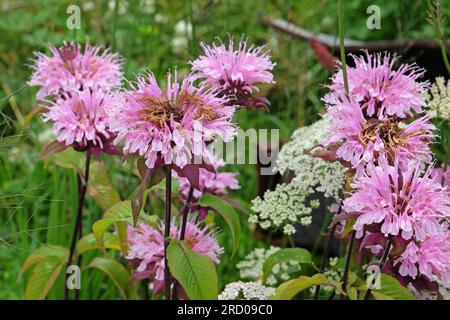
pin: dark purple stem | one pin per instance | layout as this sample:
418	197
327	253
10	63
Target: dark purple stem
347	262
77	231
167	217
380	266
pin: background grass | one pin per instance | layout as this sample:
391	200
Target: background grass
38	199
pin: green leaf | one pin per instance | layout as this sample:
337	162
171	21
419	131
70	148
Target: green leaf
149	178
88	242
42	253
349	223
52	148
100	187
352	293
115	271
195	272
120	214
71	159
289	289
284	255
227	212
391	289
43	277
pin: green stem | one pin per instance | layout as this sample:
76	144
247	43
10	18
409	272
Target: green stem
191	18
341	44
115	18
444	55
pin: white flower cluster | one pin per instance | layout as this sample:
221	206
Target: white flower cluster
251	268
311	173
290	203
439	98
282	208
246	291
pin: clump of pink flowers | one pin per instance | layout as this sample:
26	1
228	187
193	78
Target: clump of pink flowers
397	199
80	119
69	68
395	202
362	141
377	120
146	248
381	90
173	124
235	72
429	258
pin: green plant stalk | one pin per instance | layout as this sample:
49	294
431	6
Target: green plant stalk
191	18
342	45
167	218
82	188
444	54
115	18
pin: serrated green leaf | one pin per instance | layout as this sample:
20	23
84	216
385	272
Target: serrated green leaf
289	289
115	271
196	273
227	212
284	255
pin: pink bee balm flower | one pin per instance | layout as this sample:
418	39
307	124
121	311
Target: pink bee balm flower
365	142
409	203
430	258
80	119
210	182
235	72
380	90
443	174
69	69
146	247
174	124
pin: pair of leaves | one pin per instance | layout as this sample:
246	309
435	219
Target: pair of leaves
196	273
48	261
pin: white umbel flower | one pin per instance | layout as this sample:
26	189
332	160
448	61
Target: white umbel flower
439	98
246	291
281	208
292	203
311	173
